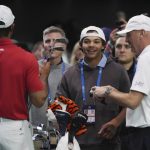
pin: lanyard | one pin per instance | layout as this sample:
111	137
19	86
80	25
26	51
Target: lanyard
49	94
135	65
83	80
63	68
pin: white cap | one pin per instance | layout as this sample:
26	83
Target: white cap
99	32
139	22
6	17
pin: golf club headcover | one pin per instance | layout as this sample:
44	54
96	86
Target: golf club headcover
72	108
78	124
63	118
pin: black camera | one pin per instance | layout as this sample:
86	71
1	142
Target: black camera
119	24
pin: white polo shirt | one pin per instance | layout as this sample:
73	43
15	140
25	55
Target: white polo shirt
140	117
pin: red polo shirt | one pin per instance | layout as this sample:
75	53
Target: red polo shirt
18	76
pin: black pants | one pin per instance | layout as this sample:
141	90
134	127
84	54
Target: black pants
100	147
137	139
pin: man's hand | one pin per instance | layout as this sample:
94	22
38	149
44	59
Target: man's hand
100	91
108	130
38	98
97	91
44	69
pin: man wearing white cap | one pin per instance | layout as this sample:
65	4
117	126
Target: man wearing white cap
19	78
138	99
95	69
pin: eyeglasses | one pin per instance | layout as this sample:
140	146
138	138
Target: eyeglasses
126	46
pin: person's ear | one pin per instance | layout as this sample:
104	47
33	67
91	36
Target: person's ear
11	30
12	27
80	43
141	33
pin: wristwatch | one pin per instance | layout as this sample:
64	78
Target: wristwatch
107	91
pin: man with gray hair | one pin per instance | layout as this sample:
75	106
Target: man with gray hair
55	44
137	100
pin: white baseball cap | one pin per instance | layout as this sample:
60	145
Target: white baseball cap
139	22
6	17
99	32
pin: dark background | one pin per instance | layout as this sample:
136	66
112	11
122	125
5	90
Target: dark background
32	16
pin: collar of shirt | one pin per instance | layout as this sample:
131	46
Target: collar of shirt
101	63
145	50
5	41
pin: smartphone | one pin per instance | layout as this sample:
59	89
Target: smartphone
119	24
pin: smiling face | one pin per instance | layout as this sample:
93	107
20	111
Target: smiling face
92	47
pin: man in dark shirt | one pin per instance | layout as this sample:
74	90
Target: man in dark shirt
95	69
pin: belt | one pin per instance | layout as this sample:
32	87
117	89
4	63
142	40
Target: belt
136	129
89	145
5	120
